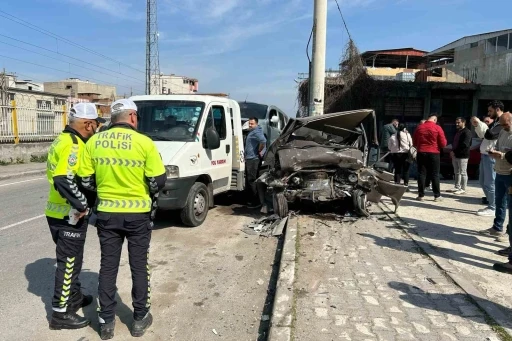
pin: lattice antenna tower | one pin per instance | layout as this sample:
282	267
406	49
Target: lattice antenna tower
152	54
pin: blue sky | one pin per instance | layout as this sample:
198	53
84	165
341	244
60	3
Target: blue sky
247	48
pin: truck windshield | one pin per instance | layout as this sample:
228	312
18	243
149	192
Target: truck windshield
169	120
248	110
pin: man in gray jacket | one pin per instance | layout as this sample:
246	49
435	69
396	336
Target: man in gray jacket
387	131
487	173
503	174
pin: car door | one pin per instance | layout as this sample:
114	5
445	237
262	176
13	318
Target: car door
219	161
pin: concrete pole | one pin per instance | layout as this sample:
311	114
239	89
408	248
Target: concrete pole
316	98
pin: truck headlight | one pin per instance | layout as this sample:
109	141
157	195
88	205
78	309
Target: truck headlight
172	172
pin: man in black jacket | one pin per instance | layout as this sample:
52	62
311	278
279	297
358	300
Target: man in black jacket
460	156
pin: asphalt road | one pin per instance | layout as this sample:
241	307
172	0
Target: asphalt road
213	277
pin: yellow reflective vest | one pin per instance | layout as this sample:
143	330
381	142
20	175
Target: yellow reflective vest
121	160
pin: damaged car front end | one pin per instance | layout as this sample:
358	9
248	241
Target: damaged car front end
325	159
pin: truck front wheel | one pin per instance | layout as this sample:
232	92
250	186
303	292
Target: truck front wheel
195	210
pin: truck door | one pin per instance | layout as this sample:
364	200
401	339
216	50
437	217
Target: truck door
219	161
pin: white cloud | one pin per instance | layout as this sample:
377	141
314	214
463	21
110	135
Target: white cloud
120	9
230	38
200	10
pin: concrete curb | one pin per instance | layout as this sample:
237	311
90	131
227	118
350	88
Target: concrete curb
282	312
22	174
478	297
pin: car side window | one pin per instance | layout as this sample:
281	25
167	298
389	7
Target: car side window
281	120
273	113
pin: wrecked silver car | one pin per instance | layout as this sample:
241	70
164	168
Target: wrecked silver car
325	159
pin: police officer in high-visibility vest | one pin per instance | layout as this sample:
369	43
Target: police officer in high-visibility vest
126	170
67	215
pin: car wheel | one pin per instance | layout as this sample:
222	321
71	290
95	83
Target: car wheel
360	207
195	210
280	204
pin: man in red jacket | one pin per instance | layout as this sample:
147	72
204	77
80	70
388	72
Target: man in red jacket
429	140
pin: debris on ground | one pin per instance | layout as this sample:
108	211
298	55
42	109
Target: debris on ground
265	318
215	332
266	226
347	217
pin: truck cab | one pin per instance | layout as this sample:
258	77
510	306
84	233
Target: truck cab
200	140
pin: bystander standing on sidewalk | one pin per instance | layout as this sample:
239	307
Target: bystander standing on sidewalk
399	145
428	181
429	139
487	174
254	151
387	131
460	156
503	156
503	175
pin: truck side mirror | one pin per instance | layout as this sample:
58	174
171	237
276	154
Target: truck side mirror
274	119
212	138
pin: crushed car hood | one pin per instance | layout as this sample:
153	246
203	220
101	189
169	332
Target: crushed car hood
342	124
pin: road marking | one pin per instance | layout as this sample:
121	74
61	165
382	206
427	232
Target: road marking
19	182
21	222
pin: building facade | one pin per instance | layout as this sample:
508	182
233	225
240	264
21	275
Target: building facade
478	59
74	87
173	84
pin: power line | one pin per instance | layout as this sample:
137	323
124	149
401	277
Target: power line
342	18
64	61
56	36
309	41
70	73
64	55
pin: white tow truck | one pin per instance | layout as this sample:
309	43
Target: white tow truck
200	139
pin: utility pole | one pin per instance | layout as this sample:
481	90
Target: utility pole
317	76
152	54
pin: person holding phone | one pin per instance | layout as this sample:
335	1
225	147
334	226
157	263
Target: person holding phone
503	175
489	133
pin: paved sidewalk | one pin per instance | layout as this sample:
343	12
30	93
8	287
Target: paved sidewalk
452	227
367	280
20	170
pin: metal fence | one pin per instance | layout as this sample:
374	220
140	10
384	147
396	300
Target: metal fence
32	121
31	124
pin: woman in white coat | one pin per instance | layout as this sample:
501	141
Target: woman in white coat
399	145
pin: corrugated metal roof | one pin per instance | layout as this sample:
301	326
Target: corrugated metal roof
468	40
402	51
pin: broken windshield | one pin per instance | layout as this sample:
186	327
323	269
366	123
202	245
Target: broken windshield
169	120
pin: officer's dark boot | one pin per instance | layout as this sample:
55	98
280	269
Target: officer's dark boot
140	327
68	320
107	330
78	300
